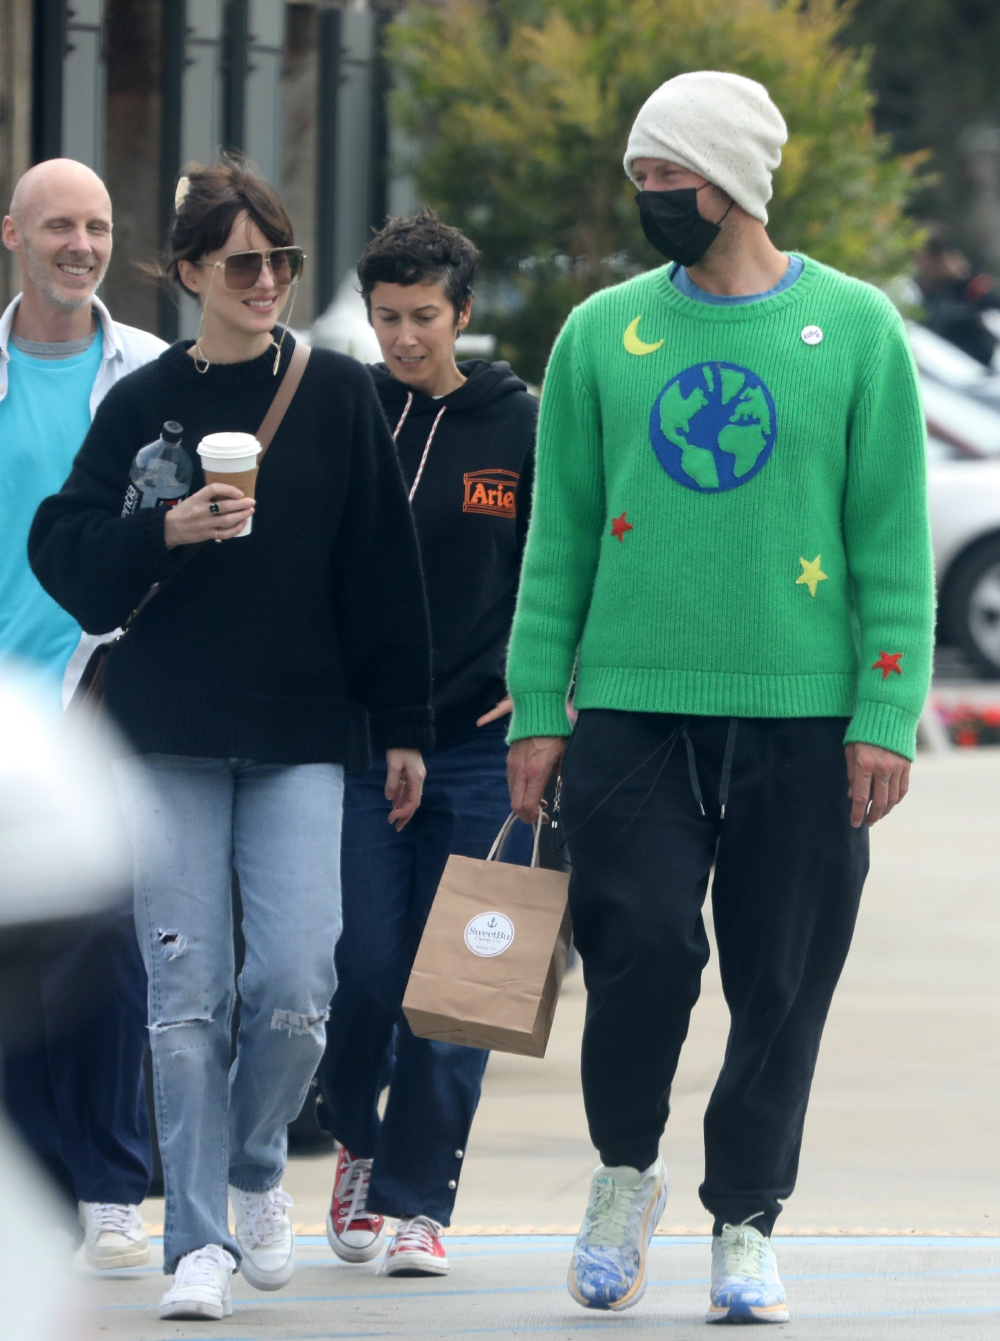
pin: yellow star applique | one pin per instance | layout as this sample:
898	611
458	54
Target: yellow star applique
812	574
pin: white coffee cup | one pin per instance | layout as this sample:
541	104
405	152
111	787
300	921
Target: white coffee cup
231	454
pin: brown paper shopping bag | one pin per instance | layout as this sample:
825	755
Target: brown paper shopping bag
493	954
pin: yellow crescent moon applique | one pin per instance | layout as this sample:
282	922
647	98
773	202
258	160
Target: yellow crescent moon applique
632	342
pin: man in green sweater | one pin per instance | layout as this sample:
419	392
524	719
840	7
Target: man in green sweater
729	541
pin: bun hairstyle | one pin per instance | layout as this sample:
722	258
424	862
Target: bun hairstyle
209	200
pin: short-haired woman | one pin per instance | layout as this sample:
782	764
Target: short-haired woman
465	436
245	687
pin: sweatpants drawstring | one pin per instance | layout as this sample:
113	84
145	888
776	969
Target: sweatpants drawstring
727	767
692	768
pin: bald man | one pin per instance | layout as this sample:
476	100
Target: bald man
59	353
77	1096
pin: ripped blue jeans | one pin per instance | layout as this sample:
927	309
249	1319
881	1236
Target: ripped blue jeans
192	822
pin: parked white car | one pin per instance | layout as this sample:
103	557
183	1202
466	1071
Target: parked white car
962	403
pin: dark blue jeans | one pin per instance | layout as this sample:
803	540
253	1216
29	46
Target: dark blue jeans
389	880
76	1094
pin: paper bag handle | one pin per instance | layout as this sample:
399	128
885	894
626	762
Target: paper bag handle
498	843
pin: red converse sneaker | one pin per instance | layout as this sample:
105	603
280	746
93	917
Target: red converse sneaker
416	1249
354	1235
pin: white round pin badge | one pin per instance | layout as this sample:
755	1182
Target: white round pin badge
811	335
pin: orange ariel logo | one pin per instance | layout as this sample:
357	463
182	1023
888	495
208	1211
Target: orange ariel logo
492	492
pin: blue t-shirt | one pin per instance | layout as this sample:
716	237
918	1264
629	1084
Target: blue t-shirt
681	281
43	420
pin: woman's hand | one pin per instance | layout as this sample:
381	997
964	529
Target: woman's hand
404	784
505	706
191	522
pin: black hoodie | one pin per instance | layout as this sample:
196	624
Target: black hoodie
471	512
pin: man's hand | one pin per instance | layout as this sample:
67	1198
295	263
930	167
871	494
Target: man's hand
404	784
878	776
193	521
530	763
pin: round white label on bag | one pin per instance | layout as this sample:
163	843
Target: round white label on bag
489	934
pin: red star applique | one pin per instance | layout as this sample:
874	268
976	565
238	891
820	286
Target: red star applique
619	526
887	663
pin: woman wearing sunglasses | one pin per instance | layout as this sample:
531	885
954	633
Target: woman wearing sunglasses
264	665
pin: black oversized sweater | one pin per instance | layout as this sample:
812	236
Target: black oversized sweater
471	509
306	641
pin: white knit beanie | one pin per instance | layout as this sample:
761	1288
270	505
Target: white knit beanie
721	126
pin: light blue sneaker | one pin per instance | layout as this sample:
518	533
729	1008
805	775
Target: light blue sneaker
608	1269
746	1286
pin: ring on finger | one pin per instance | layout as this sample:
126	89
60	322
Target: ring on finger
214	509
217	539
885	777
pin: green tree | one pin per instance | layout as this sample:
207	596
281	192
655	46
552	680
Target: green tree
519	111
934	71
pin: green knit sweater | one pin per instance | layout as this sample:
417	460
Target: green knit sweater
730	513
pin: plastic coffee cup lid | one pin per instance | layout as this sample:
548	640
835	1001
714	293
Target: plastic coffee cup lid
224	445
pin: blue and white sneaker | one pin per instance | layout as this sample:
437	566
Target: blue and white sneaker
608	1269
746	1286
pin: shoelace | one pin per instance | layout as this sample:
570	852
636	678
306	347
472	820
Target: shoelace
610	1215
353	1185
416	1235
744	1250
109	1218
199	1267
262	1213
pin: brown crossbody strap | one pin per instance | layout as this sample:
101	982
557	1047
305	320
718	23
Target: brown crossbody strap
283	396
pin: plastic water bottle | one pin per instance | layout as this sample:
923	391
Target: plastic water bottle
161	472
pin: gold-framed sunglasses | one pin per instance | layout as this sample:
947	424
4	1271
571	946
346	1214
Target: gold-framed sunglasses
242	269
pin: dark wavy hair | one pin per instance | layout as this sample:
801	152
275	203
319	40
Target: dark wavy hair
216	196
420	249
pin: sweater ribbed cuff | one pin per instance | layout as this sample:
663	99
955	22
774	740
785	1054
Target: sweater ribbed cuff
539	715
149	547
402	729
885	725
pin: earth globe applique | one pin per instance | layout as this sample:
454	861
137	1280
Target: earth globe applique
713	427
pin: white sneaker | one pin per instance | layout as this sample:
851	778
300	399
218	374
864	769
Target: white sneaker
201	1287
113	1236
264	1233
746	1286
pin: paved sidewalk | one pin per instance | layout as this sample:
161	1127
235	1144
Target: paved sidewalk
944	1290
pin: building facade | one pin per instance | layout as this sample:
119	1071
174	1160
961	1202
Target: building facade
138	88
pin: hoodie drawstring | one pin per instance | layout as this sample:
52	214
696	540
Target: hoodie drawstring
427	444
727	767
692	768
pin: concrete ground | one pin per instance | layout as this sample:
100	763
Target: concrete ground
892	1225
513	1286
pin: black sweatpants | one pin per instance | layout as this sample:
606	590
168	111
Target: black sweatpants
789	870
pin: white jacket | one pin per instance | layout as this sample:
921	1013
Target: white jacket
125	349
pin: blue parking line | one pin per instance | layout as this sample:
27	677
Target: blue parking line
550	1242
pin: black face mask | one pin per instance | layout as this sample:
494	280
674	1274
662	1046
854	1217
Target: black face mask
672	224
